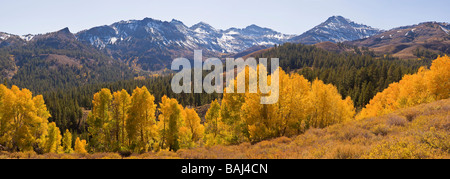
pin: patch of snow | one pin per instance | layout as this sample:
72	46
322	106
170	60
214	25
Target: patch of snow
233	33
445	30
200	31
115	29
113	40
227	37
226	43
4	36
27	37
265	43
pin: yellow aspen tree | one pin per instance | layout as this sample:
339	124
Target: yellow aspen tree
212	118
319	104
256	118
383	103
23	137
230	111
80	146
347	110
193	124
53	139
42	118
120	105
290	111
67	142
172	120
99	121
184	138
264	121
438	78
7	101
41	108
414	90
255	115
214	127
141	125
327	106
23	120
163	121
29	119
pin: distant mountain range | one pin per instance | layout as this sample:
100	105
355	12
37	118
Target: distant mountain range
126	48
153	43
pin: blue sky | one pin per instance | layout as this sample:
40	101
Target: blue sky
287	16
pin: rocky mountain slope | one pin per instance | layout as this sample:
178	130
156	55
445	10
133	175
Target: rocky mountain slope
153	44
336	29
410	41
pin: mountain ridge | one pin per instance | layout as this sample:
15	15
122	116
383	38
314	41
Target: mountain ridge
57	60
154	43
336	29
150	44
410	41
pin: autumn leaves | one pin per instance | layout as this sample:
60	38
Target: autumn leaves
425	86
123	122
24	124
301	105
119	121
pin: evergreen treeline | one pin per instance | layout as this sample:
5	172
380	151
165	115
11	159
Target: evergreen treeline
358	74
66	105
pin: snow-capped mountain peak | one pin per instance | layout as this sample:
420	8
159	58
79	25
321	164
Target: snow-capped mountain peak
156	42
4	36
203	28
175	33
336	29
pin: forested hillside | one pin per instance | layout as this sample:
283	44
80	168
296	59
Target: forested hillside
57	61
359	75
312	122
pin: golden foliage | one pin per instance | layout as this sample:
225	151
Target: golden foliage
425	86
23	122
141	123
99	121
80	146
301	105
67	142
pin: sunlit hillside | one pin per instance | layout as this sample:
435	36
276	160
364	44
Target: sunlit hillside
409	119
413	133
418	132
